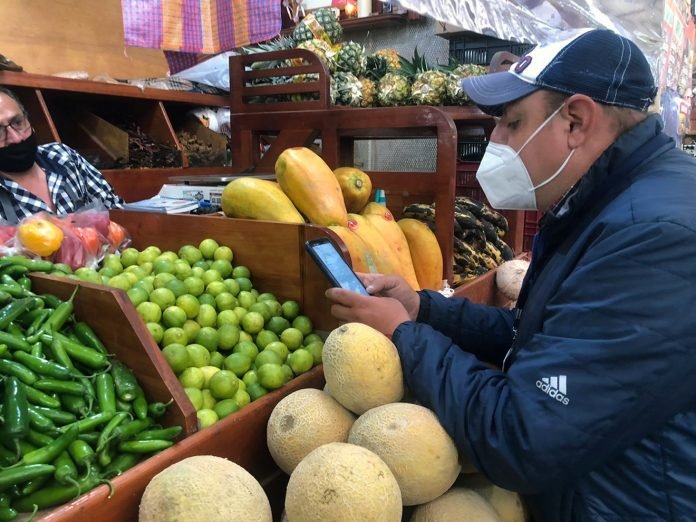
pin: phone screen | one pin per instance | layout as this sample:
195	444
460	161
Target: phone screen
336	268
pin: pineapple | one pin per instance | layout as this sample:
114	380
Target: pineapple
305	78
351	58
429	88
321	49
320	23
455	93
347	89
391	56
377	67
369	92
394	89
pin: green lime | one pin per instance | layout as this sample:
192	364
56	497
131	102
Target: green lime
266	296
217	359
211	275
129	257
225	301
173	316
287	373
232	286
190	254
197	270
206	418
277	325
177	356
238	363
162	279
88	274
243	336
227	317
267	357
256	391
192	378
148	255
250	378
246	299
168	254
228	336
242	386
136	270
194	286
206	299
301	361
208	372
255	293
242	396
163	266
215	288
107	272
147	268
292	338
208	337
113	263
275	307
137	296
244	283
226	407
316	349
156	330
241	312
247	348
222	266
145	285
291	309
200	356
265	337
208	248
182	269
195	396
224	253
207	316
189	304
280	348
261	308
271	376
131	276
252	322
178	287
241	271
162	297
208	399
303	324
191	328
119	281
312	338
174	336
223	385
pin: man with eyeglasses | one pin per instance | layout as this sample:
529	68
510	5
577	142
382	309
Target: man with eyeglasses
51	178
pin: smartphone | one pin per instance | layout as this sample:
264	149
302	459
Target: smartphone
330	261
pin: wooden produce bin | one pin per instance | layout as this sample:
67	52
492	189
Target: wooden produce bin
483	289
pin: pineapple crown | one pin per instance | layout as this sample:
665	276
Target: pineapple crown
414	67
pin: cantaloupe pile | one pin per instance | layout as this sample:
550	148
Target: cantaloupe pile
346	469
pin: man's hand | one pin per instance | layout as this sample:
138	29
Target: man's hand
381	313
393	286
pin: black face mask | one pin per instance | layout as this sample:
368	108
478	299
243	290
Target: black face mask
18	157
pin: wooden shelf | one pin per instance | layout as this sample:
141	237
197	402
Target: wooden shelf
374	21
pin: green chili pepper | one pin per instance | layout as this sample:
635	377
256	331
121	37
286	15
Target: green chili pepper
4	500
16	343
35	485
5	298
123	406
87	337
76	405
40	398
37	319
83	454
51	300
37	350
140	404
43	366
15	410
58	318
66	470
90	438
161	434
13	310
26	447
57	416
7	514
90	423
40	422
144	446
78	352
106	394
24	282
10	477
157	409
124	381
50	452
38	439
58	386
123	462
56	495
33	265
8	280
15	290
107	432
104	457
60	355
17	370
4	351
126	431
16	331
7	457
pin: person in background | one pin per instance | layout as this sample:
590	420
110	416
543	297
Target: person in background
592	412
33	178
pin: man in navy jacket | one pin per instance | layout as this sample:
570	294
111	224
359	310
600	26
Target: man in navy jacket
593	413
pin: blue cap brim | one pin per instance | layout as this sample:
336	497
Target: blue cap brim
493	91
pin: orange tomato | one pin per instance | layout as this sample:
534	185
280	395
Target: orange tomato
116	234
89	238
40	237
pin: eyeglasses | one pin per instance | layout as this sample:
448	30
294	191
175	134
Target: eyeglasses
19	124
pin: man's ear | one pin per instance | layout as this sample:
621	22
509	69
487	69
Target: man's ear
581	112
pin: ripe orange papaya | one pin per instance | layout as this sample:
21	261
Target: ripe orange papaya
311	186
384	222
356	187
425	253
361	256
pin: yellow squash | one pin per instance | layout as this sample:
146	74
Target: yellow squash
361	257
258	199
356	187
383	220
425	253
311	186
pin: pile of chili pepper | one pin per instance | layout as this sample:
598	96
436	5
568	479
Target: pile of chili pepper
72	416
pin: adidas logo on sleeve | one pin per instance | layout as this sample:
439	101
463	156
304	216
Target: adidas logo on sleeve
554	387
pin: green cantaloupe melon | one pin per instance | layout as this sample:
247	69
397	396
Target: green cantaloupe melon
204	489
303	421
340	482
507	503
457	505
362	368
414	445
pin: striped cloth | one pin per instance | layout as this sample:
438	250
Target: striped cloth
186	29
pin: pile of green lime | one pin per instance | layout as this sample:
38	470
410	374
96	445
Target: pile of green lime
227	343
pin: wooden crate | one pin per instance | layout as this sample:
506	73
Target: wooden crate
111	315
483	289
240	437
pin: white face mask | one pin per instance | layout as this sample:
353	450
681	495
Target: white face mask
505	179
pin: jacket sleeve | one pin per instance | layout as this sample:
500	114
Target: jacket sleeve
485	331
621	330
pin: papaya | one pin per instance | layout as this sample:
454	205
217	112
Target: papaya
425	253
311	186
258	199
356	187
361	257
384	222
